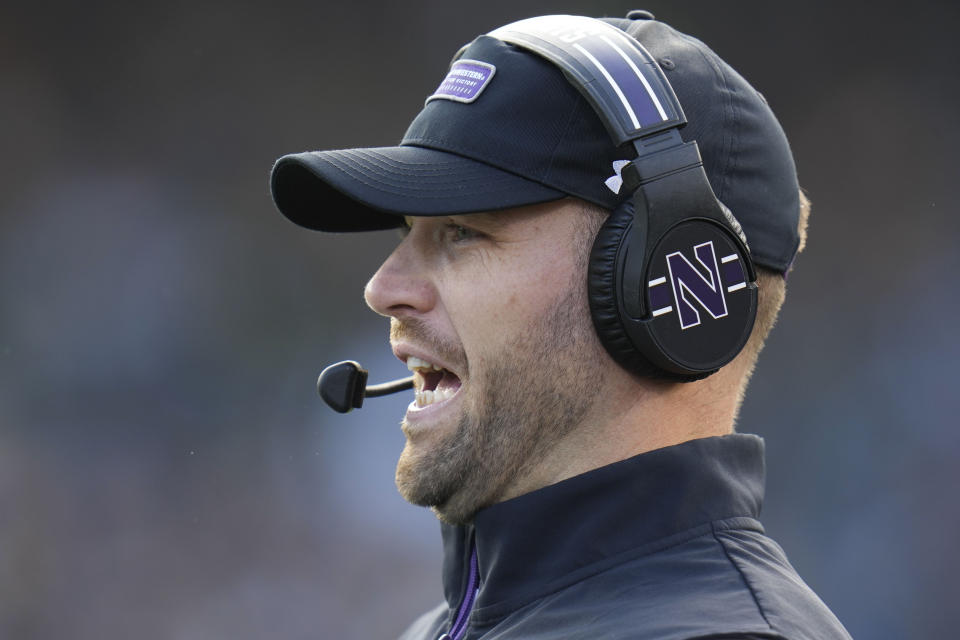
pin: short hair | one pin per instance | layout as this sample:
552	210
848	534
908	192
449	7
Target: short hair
772	290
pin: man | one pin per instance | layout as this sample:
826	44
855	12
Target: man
589	484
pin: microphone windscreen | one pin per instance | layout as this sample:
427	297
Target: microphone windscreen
342	386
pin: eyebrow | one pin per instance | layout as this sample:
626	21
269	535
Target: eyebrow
494	221
488	220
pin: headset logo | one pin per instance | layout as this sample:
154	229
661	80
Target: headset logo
696	288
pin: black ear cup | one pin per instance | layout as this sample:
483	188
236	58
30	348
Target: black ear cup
701	299
696	295
603	295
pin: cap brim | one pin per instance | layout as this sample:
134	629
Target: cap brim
368	189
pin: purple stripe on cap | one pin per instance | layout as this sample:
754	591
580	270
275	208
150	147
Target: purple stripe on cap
636	94
464	82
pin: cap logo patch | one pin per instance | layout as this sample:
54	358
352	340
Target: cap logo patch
465	81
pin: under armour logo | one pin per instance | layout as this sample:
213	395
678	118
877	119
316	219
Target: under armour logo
615	181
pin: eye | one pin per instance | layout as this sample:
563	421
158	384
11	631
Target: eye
459	233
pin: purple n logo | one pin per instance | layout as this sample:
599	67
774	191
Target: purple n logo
691	285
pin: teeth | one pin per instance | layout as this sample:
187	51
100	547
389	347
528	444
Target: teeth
424	398
414	363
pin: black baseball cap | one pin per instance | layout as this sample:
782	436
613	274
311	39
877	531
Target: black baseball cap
506	129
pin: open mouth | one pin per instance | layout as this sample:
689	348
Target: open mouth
431	383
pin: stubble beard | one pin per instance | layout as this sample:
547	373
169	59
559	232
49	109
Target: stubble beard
540	388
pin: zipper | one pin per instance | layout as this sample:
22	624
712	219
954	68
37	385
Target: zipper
459	626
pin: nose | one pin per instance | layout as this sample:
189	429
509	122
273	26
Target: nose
401	287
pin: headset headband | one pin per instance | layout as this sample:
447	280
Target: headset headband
613	71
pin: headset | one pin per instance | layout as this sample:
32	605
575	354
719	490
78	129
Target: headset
671	284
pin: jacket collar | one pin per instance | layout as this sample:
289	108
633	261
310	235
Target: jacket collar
540	542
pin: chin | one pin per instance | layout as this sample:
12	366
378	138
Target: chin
438	478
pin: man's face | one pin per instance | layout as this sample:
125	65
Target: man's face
490	312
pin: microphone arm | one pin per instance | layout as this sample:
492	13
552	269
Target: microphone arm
343	386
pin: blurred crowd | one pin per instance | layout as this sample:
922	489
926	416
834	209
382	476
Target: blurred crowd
166	468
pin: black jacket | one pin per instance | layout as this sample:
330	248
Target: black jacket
664	545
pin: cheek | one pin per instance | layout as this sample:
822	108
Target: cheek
507	302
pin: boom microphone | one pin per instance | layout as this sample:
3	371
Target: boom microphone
343	386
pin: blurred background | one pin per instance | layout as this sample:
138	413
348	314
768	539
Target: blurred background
166	468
